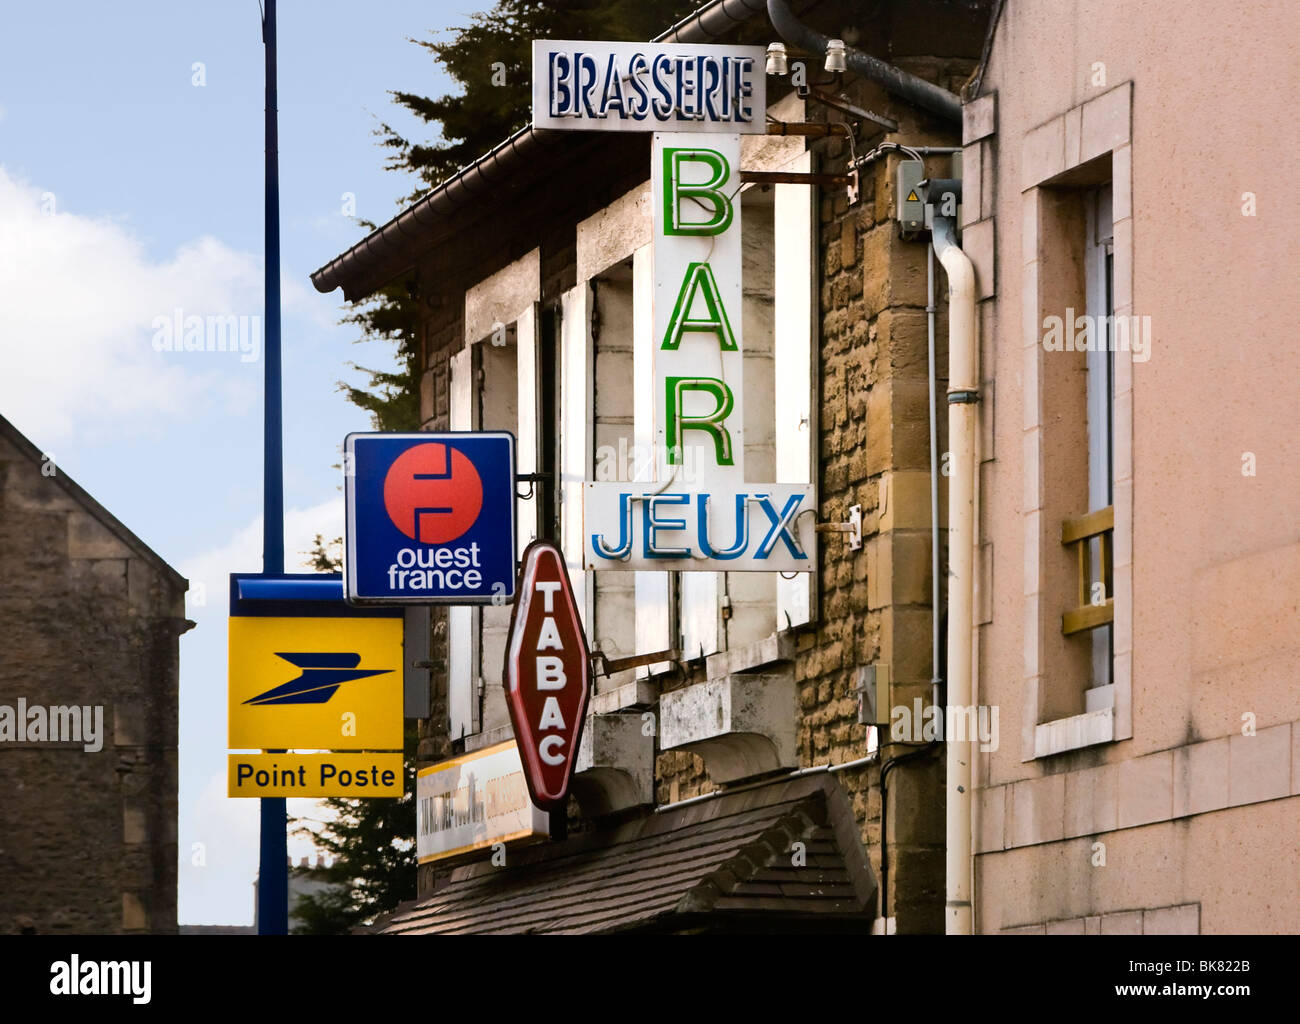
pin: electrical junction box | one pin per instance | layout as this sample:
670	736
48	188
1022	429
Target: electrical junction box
911	203
871	683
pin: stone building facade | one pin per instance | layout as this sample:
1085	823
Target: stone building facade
526	278
92	620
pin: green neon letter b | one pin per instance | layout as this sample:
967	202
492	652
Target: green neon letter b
675	190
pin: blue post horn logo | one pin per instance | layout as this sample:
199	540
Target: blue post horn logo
322	674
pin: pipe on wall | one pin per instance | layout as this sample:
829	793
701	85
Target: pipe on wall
963	420
936	617
895	80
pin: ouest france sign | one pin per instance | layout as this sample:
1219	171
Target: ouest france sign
430	518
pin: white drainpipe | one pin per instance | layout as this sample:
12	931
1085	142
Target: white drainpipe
963	428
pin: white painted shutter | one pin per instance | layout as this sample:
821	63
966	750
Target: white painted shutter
795	267
653	625
699	613
462	624
576	452
526	432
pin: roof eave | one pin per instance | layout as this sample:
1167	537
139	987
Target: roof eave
355	269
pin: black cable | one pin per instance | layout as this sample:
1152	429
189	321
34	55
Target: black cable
884	822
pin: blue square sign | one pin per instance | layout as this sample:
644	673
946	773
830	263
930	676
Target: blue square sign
430	518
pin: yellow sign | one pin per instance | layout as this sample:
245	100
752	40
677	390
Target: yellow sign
312	775
315	683
474	801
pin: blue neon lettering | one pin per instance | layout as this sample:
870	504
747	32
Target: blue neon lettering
587	73
684	90
653	525
637	105
662	67
779	524
708	72
744	88
742	528
561	95
624	549
611	96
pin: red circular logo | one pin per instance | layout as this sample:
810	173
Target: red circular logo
433	493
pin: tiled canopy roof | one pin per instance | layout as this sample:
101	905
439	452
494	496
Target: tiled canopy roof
725	863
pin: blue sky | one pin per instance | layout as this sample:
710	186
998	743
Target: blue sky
128	192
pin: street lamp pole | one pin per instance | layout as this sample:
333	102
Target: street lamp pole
273	872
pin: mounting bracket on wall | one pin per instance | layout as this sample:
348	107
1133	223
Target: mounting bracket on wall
795	178
606	666
853	527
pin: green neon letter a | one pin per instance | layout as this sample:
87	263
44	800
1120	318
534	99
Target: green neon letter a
675	190
678	423
699	278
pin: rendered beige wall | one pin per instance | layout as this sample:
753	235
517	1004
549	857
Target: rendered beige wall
1215	553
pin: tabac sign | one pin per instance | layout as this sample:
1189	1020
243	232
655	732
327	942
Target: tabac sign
701	512
547	674
675	87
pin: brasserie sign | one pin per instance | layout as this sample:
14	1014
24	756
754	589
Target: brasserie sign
648	86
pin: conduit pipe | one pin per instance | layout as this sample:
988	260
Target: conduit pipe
895	80
936	619
963	419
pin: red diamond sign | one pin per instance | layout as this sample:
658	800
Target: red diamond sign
547	675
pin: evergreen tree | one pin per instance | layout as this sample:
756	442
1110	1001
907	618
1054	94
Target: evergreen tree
372	843
491	60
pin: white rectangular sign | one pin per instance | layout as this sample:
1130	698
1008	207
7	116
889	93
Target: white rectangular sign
471	802
755	527
698	512
638	87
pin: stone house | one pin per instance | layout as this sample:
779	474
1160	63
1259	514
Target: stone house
88	710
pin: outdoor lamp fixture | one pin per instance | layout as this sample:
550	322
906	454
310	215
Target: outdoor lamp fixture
777	64
835	61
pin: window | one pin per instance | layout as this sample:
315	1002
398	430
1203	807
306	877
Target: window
1078	509
495	384
1099	269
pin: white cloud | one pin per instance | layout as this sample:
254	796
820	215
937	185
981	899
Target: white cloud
219	854
243	553
219	891
78	298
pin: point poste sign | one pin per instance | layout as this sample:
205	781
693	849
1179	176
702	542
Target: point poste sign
547	674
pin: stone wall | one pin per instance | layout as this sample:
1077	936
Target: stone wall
91	618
